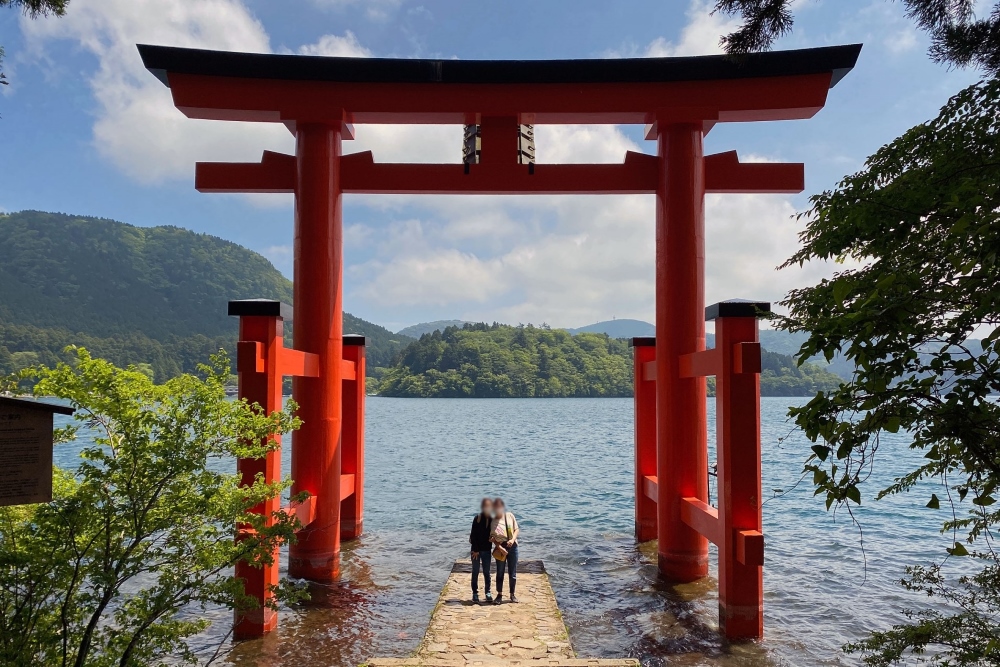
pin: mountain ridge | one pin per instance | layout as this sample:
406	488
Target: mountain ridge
143	295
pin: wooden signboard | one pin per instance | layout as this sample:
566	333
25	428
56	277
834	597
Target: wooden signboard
26	450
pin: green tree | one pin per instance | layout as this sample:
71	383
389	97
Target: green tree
139	537
921	221
154	295
33	9
958	36
500	361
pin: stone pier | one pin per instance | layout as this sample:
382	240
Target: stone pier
528	633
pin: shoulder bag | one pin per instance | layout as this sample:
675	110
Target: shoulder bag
499	552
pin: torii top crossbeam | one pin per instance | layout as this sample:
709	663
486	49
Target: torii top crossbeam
499	95
780	85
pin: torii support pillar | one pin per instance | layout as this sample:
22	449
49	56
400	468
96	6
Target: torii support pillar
261	326
317	446
353	457
681	421
644	361
735	526
262	361
737	401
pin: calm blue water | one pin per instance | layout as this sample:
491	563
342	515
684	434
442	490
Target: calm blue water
564	467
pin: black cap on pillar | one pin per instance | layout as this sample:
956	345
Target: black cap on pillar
260	308
737	308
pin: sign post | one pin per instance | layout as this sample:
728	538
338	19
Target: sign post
26	445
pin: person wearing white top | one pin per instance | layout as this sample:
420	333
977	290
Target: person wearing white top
505	536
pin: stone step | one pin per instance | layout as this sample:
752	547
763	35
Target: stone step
490	661
528	633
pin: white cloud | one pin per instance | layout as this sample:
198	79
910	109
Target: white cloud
136	125
883	24
336	45
376	10
409	143
701	35
568	260
581	143
419	271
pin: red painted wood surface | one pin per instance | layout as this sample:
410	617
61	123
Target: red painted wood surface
645	442
316	446
353	457
741	579
638	174
261	335
621	103
682	453
262	361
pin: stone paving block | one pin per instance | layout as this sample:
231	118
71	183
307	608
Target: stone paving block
529	633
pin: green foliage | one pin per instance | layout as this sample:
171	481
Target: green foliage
971	635
23	346
108	279
501	361
132	295
921	219
958	36
383	347
32	9
781	376
143	527
36	8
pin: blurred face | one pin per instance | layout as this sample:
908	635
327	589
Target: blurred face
498	507
486	507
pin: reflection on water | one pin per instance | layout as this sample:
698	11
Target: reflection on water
564	466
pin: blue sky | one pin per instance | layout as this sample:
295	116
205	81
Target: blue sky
86	130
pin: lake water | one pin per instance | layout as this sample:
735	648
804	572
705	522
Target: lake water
564	466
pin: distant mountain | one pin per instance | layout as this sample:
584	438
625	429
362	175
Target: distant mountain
618	328
418	330
150	295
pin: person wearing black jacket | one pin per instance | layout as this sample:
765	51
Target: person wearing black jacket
482	548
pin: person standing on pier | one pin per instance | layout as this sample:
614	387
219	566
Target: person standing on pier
505	534
482	547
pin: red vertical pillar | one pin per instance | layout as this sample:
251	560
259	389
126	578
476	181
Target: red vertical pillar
264	389
353	459
682	452
316	452
741	554
643	353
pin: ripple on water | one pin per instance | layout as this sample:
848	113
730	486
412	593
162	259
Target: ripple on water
564	467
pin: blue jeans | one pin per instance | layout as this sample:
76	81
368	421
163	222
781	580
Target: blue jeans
511	565
485	558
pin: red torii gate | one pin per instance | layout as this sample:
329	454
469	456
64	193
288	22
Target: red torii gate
678	99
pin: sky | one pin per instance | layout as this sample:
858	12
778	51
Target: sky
84	129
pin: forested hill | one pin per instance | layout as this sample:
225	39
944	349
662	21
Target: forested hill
153	295
497	360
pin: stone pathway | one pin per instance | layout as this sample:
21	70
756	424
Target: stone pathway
529	633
